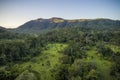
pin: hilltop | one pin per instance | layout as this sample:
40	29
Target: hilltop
43	25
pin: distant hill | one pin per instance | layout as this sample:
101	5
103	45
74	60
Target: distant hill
2	29
6	34
40	25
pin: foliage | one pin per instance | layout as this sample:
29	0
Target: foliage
115	69
79	53
83	70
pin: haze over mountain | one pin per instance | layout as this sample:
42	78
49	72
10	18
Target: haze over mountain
40	24
2	27
13	13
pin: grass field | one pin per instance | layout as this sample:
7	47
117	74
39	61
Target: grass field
103	65
45	62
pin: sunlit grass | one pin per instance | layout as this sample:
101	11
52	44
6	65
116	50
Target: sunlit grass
46	61
103	65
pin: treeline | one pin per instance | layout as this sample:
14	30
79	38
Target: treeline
15	47
14	51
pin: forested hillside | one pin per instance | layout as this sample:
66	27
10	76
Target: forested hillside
69	53
43	25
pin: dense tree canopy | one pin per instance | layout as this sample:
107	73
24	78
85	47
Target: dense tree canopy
76	61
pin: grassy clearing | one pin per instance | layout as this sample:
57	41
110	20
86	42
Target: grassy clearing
114	48
46	61
102	64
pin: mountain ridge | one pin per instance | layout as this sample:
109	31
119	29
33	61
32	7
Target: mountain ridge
41	24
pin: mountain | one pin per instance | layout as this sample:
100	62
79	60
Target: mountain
40	25
2	29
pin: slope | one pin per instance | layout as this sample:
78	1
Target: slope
43	25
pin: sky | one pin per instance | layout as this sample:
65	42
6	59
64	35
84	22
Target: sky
14	13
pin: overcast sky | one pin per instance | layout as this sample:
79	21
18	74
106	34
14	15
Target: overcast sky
14	13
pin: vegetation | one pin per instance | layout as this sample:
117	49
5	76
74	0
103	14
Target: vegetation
43	25
78	53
